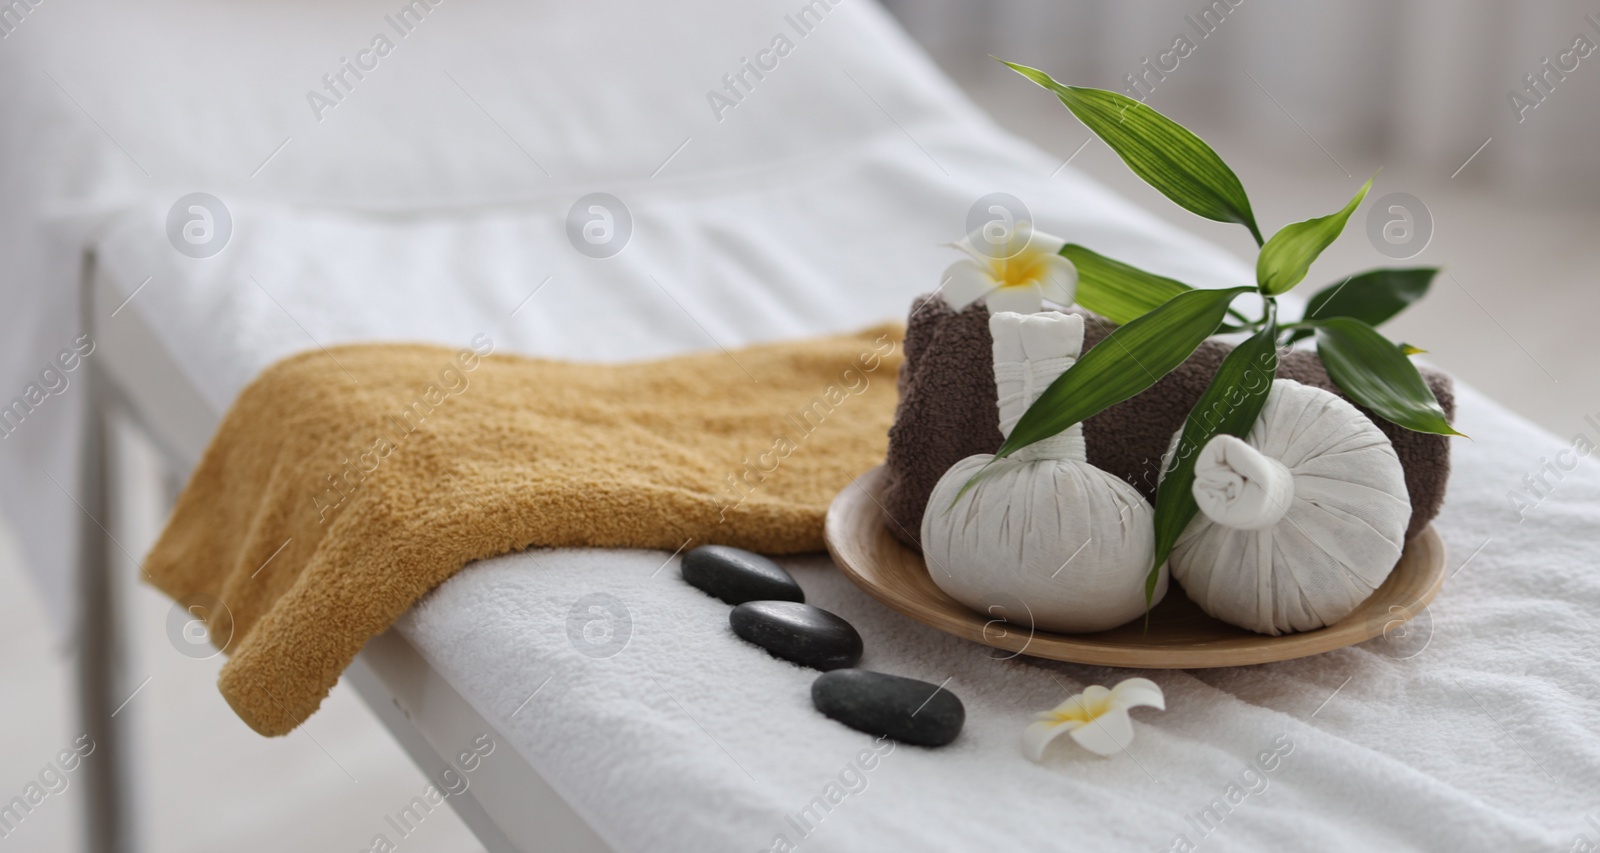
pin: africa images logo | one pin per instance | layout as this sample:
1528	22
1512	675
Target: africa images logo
199	225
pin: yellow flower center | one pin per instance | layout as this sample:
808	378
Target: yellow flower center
1084	709
1025	267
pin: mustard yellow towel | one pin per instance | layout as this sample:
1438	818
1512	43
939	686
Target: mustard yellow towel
344	485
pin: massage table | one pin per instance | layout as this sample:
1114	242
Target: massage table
434	201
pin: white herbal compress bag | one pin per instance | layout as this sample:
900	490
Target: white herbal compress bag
1047	540
1300	522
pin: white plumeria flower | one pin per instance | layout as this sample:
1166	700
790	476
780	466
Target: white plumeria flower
1012	269
1097	718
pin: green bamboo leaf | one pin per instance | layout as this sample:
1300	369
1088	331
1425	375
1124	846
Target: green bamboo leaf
1407	349
1159	150
1286	258
1230	404
1115	290
1129	360
1371	297
1376	373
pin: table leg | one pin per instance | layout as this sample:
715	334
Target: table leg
104	794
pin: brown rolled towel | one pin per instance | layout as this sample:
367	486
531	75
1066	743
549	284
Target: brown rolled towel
947	412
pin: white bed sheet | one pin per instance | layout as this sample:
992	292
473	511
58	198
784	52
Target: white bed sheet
823	218
1473	729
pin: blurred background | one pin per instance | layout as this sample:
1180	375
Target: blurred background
1307	100
1483	116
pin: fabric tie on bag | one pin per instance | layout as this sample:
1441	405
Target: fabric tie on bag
1240	487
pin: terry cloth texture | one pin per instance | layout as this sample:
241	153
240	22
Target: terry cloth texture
948	412
343	486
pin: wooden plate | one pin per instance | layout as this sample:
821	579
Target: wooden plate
1180	636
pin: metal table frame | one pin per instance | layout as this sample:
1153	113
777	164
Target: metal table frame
509	806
